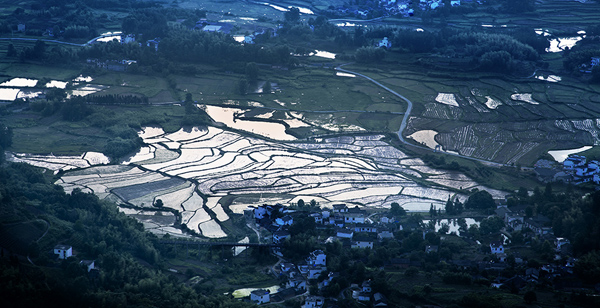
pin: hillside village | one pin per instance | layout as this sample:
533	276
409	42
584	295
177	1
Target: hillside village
575	169
494	244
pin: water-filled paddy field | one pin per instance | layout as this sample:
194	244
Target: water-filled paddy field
202	173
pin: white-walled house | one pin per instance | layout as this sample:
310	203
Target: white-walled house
344	233
280	235
89	264
63	251
496	247
385	43
318	217
298	283
365	228
574	161
260	212
260	296
340	208
357	218
366	286
286	220
317	257
362	243
314	302
315	271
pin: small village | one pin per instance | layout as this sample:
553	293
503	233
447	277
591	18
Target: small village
497	256
574	170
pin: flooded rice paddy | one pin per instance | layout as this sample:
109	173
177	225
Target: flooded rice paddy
194	170
561	155
426	137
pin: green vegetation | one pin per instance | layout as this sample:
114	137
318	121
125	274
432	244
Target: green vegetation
99	232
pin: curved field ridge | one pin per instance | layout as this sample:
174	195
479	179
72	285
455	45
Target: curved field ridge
211	163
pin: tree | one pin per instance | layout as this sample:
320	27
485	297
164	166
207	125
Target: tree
292	16
267	87
251	72
449	207
189	103
530	296
491	225
6	135
397	210
242	87
11	51
480	200
158	203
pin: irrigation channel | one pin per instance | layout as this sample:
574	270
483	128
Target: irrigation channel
407	115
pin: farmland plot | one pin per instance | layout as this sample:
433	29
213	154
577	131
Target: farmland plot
224	163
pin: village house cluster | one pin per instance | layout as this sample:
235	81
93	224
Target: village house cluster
575	169
353	228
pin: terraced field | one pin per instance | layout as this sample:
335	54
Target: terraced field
203	174
510	121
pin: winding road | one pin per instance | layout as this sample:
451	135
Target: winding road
406	117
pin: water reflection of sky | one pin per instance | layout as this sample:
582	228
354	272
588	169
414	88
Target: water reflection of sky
19	82
561	155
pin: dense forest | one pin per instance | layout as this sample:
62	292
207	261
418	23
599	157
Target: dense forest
132	273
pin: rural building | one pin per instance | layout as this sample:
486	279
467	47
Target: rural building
153	43
514	220
385	43
365	228
315	271
362	243
21	27
298	283
574	161
496	247
595	61
318	217
260	296
366	286
358	218
379	300
286	220
88	264
383	234
314	302
455	3
260	212
340	208
130	38
317	257
364	297
431	248
211	28
287	266
280	235
63	251
344	233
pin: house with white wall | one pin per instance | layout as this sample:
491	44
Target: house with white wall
497	247
260	296
63	251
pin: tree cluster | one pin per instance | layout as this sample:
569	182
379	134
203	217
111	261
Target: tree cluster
97	231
